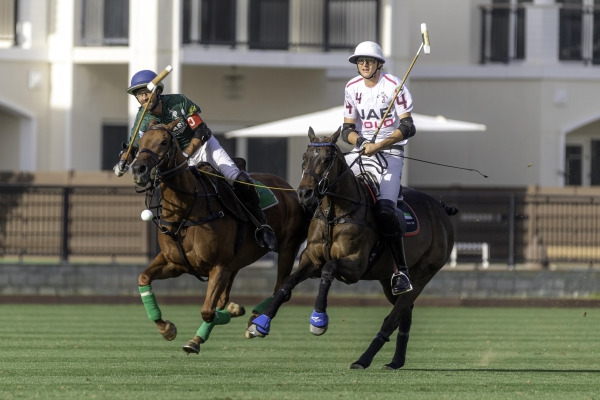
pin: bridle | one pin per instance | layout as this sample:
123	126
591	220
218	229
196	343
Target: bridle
325	188
166	167
167	159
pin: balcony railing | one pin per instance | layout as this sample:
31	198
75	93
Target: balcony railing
319	25
282	24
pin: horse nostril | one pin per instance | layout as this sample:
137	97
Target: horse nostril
306	194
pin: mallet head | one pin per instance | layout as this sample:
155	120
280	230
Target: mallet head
425	36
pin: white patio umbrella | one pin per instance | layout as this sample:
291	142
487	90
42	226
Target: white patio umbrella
327	121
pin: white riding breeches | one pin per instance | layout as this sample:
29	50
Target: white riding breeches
212	153
388	178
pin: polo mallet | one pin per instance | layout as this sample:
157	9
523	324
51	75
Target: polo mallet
152	87
426	49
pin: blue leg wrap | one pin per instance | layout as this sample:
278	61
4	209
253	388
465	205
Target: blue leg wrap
263	324
318	319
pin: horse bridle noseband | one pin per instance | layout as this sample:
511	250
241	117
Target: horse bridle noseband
166	158
323	186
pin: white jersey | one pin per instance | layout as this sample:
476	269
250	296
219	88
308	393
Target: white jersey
367	105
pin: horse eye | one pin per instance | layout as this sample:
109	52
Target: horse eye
163	143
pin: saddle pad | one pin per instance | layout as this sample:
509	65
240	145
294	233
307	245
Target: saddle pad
266	196
412	222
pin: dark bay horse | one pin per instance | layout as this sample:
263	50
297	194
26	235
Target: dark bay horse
204	232
343	244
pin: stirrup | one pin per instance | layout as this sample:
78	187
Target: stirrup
265	237
400	283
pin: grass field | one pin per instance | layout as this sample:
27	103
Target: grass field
115	352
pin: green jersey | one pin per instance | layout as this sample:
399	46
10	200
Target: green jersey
174	106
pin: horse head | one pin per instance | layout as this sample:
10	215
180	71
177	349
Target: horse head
158	152
318	170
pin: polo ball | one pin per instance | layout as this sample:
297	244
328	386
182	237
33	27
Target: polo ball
147	215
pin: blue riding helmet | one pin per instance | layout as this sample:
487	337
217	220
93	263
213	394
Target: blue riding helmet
141	79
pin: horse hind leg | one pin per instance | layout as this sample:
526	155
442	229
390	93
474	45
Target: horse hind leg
366	358
401	340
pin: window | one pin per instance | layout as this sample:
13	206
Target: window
8	21
595	165
217	21
112	138
268	155
104	22
503	31
579	32
573	165
570	30
269	24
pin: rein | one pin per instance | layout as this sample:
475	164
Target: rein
164	177
326	189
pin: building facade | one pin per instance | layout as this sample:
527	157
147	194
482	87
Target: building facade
528	70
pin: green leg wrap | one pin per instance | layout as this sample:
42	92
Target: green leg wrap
150	303
222	317
263	304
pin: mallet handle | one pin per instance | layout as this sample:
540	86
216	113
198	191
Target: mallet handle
152	87
398	90
159	77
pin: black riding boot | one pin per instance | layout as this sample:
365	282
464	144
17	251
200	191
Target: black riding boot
400	280
264	234
392	226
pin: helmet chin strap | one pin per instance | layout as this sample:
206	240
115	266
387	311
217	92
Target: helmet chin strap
157	97
374	73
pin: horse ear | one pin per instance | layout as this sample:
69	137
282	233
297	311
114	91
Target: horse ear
152	122
173	124
336	135
311	134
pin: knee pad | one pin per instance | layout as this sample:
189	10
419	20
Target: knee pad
242	182
388	219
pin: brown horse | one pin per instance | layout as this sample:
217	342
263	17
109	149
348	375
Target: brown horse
343	244
205	231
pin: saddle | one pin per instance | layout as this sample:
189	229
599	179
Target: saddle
402	206
227	195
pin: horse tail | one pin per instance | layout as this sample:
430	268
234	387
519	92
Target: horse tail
449	209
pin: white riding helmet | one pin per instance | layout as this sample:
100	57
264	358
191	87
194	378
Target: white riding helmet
367	49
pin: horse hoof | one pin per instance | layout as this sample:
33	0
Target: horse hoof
318	330
169	332
236	310
191	347
252	332
356	366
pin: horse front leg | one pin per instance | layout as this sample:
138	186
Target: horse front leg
160	268
261	325
213	310
285	264
319	320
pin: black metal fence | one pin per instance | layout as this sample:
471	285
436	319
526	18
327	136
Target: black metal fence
63	222
515	225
